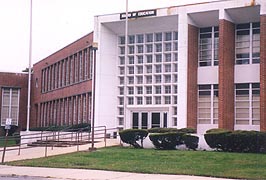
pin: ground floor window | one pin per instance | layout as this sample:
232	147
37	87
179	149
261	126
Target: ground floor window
247	104
208	104
10	105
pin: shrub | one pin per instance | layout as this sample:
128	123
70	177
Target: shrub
216	138
237	141
166	140
187	130
162	130
131	136
17	137
191	142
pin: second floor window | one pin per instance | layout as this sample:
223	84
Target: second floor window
208	46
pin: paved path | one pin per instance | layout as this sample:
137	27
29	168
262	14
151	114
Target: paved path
80	174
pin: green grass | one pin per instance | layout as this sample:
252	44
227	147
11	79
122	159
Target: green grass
200	163
9	142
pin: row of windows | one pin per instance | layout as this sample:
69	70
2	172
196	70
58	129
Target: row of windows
247	44
66	111
10	105
247	104
73	69
149	37
148	79
149	58
148	69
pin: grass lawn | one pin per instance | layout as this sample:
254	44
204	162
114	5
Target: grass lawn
9	142
200	163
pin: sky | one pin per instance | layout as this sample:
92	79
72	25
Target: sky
56	23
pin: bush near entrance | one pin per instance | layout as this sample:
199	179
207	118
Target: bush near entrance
236	141
131	136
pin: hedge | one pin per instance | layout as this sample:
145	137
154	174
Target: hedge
131	136
190	141
236	141
167	140
162	130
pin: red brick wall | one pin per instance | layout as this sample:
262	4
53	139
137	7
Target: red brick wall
18	80
192	87
263	73
226	74
67	91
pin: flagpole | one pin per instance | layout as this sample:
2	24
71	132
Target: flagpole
29	70
125	69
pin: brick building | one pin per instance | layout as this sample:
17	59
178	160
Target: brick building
61	86
199	65
13	99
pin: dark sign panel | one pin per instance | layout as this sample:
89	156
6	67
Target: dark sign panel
139	14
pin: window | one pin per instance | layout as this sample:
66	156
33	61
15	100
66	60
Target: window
131	60
167	47
121	80
158	58
149	58
139	90
167	78
10	105
167	89
140	59
167	100
168	36
157	89
130	90
158	37
148	48
121	91
167	57
130	101
208	46
122	60
122	70
175	46
122	40
140	48
140	69
148	79
158	68
247	104
175	89
130	70
140	38
158	47
175	57
121	111
158	100
158	79
149	38
122	50
148	90
208	104
248	43
148	100
167	68
139	100
175	102
131	39
131	49
149	69
130	80
139	79
121	101
175	78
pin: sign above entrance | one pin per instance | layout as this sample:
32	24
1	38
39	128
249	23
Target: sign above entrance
138	14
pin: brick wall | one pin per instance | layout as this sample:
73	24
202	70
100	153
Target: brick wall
263	73
62	92
226	74
192	87
17	80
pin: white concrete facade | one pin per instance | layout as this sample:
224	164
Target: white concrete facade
108	29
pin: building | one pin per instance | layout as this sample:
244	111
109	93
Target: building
61	89
13	99
200	65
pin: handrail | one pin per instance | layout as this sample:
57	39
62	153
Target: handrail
81	136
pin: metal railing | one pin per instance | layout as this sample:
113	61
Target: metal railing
71	137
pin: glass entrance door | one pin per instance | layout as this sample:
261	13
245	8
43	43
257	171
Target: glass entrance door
155	119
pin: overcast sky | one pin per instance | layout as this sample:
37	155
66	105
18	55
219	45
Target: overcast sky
56	23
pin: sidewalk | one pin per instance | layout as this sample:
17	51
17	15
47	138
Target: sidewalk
80	174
